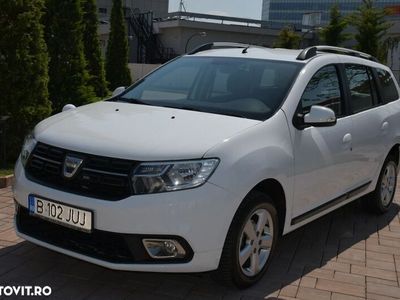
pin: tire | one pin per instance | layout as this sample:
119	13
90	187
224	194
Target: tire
250	216
381	198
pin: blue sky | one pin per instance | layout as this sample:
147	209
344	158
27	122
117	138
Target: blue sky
234	8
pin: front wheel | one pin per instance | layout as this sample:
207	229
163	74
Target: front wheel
382	198
250	242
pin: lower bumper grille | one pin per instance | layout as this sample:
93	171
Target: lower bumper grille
106	246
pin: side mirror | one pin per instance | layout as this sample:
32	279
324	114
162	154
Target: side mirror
320	116
68	107
118	91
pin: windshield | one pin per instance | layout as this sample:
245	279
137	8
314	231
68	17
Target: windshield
242	87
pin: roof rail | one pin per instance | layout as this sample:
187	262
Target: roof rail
218	45
312	51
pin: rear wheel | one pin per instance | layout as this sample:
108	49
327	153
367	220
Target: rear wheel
381	199
250	242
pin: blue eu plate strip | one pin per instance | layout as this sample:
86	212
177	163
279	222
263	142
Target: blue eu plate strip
31	204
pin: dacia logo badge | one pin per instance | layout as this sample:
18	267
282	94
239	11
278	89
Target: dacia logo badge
71	166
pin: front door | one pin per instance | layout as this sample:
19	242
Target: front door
323	155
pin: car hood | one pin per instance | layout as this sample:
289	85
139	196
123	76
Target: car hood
138	132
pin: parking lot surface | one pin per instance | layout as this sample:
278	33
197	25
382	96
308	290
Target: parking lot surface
348	254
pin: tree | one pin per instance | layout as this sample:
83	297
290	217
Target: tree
67	68
117	72
389	46
287	39
95	63
371	25
23	69
332	34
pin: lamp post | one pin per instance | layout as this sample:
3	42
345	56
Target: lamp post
201	33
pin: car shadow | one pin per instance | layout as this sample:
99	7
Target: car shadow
337	237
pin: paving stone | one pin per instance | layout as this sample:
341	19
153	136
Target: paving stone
312	294
350	278
390	266
289	291
397	260
337	266
372	272
371	296
76	289
336	296
379	256
309	282
389	242
340	287
389	234
383	249
352	254
385	290
320	273
381	281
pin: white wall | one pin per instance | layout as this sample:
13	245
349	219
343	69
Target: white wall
140	70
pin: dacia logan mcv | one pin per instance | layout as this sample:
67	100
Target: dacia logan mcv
203	164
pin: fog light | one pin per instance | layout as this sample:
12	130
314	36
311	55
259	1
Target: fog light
159	248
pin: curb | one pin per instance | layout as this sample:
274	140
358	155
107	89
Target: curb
6	181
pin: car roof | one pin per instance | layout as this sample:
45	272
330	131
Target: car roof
253	52
236	50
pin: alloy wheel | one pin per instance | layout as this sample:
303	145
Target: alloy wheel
388	184
255	242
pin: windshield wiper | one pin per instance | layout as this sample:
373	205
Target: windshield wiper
235	115
132	100
204	110
184	107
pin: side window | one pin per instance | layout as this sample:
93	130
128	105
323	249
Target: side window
388	88
361	88
323	89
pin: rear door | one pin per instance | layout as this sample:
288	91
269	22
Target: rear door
370	122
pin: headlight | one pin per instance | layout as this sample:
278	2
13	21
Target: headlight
171	176
27	148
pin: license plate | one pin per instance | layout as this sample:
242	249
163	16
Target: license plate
62	214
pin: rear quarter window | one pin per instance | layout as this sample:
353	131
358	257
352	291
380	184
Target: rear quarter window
388	91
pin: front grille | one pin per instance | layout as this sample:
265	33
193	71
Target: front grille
99	177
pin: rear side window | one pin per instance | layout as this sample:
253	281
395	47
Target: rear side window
361	88
324	90
388	88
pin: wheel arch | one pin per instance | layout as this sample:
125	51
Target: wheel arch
274	189
394	151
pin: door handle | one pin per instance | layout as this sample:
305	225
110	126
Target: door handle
385	126
347	138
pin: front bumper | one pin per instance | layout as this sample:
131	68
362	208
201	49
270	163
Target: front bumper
200	216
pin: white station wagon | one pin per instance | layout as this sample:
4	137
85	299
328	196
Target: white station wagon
203	164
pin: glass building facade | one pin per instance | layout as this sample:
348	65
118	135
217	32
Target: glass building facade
292	11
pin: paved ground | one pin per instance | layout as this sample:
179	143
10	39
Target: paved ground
348	254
